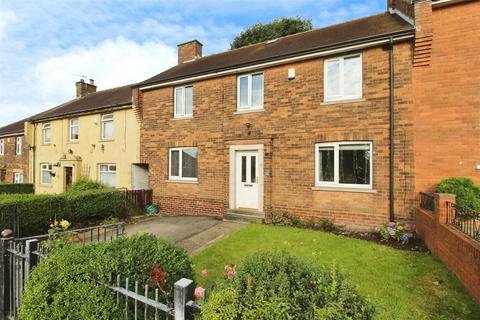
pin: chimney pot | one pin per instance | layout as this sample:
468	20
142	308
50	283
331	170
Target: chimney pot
84	88
189	51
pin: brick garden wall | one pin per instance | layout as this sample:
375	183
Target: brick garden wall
460	253
447	95
12	162
293	121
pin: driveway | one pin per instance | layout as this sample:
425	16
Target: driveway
192	233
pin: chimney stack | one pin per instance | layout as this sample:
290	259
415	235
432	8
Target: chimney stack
189	51
84	88
404	8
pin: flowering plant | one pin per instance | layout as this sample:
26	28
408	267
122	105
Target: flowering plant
395	231
58	235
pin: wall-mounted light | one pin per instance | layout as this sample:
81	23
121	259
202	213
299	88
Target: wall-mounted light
56	164
291	73
70	151
103	147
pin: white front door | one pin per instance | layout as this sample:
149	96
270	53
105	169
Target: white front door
246	180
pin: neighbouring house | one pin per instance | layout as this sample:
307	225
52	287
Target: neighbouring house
446	78
301	123
14	153
95	136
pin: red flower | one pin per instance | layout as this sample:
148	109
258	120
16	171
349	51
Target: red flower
158	276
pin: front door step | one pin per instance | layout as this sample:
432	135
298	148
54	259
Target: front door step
244	215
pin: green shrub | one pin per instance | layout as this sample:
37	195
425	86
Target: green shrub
275	285
467	192
16	188
61	286
37	211
84	184
283	218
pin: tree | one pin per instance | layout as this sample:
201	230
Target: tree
277	28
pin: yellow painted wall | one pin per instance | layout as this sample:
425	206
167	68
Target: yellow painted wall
85	155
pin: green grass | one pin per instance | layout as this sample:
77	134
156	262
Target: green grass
401	284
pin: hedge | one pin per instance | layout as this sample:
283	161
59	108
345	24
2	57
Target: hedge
467	192
16	188
37	211
61	286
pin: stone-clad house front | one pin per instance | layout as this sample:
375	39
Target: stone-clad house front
14	154
300	124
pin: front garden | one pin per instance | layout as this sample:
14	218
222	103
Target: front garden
401	284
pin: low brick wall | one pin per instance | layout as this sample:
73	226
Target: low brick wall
459	252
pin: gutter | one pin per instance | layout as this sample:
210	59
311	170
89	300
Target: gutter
12	134
319	52
444	3
392	134
87	112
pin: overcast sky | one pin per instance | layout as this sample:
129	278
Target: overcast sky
47	45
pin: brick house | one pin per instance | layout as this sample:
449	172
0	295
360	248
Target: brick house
14	153
300	123
446	78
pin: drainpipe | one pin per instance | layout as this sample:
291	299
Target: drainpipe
33	153
392	133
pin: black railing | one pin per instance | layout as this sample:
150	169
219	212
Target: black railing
463	219
427	201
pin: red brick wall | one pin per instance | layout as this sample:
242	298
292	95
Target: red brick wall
10	161
293	121
447	95
460	253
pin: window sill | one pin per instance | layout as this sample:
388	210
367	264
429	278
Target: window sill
249	111
72	142
45	185
344	101
183	118
107	140
340	189
182	181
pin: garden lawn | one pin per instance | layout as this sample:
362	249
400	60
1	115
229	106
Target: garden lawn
401	284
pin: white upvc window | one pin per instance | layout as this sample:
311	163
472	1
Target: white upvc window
107	174
46	173
183	164
107	127
343	78
18	177
18	145
46	133
183	104
344	164
73	129
250	92
2	147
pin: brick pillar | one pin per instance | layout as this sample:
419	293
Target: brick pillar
441	200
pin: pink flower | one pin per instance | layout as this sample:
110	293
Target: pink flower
199	293
204	273
229	271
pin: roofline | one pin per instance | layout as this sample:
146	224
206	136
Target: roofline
86	112
310	54
12	134
444	3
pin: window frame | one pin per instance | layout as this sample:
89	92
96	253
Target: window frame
2	147
18	146
18	174
102	126
336	167
49	169
100	171
44	129
184	91
70	126
342	96
180	158
250	106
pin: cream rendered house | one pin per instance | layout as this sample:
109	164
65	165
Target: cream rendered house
96	136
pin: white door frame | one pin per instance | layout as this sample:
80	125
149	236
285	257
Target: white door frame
232	181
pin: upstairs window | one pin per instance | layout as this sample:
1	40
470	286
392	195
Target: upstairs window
343	164
18	177
343	78
73	129
18	146
183	164
2	147
183	102
46	133
108	175
46	173
107	127
250	92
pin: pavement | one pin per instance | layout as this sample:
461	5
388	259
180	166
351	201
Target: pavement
191	232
